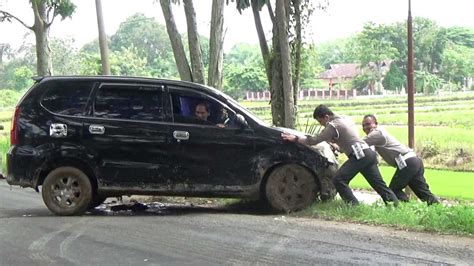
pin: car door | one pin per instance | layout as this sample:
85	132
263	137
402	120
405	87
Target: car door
129	135
213	157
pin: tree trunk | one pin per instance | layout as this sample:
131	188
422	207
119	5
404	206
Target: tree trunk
216	43
263	41
297	52
288	100
104	50
276	89
194	45
176	42
41	30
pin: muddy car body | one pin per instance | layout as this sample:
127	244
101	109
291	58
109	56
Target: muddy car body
83	139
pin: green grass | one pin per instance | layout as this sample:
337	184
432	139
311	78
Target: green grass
455	219
444	184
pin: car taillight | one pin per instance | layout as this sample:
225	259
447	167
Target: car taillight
15	129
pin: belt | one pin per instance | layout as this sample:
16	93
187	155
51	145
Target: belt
409	155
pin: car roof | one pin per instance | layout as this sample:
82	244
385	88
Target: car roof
99	78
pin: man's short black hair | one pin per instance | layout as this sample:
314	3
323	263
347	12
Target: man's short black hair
321	111
205	104
371	116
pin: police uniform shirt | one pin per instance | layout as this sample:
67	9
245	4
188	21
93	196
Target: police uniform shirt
387	146
340	130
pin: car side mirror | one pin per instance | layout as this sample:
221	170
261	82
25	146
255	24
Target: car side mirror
241	120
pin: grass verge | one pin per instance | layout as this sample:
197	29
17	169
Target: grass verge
455	219
445	184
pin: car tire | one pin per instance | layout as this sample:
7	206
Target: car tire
290	187
328	190
67	191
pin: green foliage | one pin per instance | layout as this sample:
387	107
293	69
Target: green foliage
309	68
395	78
244	71
455	219
427	83
22	78
64	56
64	8
90	64
461	36
337	52
9	98
374	44
241	78
429	148
4	146
457	64
149	39
361	81
127	62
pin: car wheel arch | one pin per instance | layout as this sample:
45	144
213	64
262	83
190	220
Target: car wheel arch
56	162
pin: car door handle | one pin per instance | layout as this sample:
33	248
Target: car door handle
97	129
180	135
58	130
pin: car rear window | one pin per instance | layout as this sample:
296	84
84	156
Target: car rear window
129	103
67	98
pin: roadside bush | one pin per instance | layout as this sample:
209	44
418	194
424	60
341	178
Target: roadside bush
9	98
429	148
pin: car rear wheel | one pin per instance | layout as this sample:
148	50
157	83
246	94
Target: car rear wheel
67	191
290	187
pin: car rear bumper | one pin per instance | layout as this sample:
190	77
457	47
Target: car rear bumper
18	163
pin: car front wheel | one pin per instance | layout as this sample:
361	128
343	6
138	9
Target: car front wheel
67	191
290	187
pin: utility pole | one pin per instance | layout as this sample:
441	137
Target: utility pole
411	104
104	52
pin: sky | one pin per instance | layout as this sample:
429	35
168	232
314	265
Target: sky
341	19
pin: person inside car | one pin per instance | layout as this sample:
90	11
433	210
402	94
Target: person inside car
202	112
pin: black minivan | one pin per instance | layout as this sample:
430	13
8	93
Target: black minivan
83	139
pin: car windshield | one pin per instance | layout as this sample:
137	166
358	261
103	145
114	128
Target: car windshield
246	111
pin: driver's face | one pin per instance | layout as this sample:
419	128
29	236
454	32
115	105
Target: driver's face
201	112
368	124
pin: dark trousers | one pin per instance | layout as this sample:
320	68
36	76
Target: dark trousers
413	176
367	166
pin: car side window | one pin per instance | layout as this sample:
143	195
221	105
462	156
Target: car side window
129	102
67	98
196	109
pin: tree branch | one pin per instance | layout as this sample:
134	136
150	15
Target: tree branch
270	12
7	16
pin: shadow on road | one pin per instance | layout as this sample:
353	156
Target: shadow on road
158	208
147	209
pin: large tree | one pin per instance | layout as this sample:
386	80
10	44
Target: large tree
150	39
375	49
283	71
44	12
195	71
216	45
176	42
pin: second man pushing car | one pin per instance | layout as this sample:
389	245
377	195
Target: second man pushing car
342	131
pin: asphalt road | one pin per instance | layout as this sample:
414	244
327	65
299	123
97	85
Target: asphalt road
184	235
